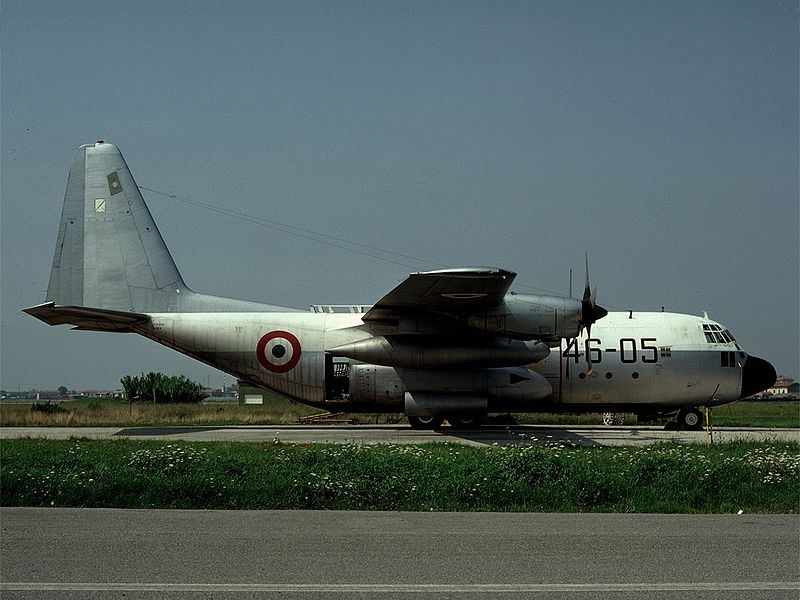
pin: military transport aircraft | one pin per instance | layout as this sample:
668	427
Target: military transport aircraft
451	344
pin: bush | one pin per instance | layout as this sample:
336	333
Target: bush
158	388
47	407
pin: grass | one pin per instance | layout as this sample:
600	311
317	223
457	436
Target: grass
118	413
669	478
98	412
758	414
745	413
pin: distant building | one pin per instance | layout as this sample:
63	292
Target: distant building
262	397
784	387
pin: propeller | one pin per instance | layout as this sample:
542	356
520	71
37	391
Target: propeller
591	312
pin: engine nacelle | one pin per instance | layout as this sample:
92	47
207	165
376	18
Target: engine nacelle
531	317
435	392
418	351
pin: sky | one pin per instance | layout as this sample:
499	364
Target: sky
659	137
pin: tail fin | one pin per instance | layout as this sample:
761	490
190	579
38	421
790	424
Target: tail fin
109	252
110	255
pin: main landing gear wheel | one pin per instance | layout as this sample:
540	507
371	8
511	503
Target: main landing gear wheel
465	421
690	419
425	422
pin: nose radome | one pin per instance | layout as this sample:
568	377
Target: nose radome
757	375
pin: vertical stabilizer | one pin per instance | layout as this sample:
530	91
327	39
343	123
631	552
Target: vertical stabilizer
109	252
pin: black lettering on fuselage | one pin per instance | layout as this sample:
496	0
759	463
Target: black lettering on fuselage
630	350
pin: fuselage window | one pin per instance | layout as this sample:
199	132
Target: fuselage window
728	359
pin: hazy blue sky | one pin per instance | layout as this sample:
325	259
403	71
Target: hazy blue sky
662	137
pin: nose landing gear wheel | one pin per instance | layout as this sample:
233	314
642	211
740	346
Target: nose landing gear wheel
690	419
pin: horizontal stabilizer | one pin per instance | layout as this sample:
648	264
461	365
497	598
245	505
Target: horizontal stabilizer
92	319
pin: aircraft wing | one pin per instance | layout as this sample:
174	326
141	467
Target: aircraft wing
449	291
92	319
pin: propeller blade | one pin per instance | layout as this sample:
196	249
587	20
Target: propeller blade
591	312
586	289
588	352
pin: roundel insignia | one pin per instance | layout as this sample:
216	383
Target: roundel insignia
278	351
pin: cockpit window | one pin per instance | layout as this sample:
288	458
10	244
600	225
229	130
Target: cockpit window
715	334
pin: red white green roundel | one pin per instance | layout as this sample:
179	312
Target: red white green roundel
278	351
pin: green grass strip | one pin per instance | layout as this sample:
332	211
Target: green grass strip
99	412
664	478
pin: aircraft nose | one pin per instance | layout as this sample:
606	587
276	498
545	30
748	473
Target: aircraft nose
757	376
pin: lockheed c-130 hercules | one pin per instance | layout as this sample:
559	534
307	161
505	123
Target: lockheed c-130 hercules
451	344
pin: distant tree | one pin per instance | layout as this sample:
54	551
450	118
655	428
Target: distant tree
62	389
130	387
161	389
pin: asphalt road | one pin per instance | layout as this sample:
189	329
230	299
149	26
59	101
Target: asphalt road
403	434
112	553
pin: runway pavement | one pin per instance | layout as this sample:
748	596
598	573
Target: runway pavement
403	434
112	553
